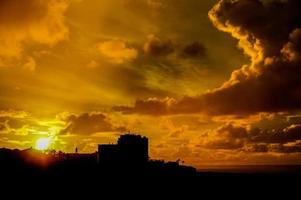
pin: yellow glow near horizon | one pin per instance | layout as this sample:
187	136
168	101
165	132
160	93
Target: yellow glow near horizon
43	144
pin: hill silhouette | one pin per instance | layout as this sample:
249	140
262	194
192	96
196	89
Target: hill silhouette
126	160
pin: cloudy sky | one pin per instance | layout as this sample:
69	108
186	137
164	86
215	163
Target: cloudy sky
212	82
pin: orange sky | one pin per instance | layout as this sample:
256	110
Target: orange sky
207	81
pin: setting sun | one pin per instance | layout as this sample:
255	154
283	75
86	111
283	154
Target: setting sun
43	143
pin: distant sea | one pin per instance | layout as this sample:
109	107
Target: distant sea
252	169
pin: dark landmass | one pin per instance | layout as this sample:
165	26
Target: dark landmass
123	163
31	163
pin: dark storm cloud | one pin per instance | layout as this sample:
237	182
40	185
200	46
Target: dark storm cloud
268	32
158	47
289	134
162	47
271	83
259	20
89	123
194	50
237	137
292	50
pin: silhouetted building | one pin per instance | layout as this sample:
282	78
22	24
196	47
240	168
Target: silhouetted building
130	151
108	155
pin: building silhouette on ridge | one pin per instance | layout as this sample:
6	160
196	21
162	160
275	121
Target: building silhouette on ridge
128	157
131	151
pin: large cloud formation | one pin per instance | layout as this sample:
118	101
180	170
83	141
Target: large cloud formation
35	21
250	139
269	32
89	123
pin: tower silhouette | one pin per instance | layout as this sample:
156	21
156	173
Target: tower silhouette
131	151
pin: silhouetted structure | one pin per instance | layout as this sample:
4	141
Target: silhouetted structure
131	151
127	161
127	158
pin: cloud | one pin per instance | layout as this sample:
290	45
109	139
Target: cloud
158	47
226	137
252	139
12	121
271	83
32	21
117	51
13	113
89	123
194	50
30	64
247	21
292	50
294	119
151	106
294	147
174	131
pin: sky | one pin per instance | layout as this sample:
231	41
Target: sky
211	82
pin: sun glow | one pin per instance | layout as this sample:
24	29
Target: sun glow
43	144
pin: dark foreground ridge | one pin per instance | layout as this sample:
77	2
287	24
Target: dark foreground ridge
129	157
128	160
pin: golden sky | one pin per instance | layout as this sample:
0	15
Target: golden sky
212	82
